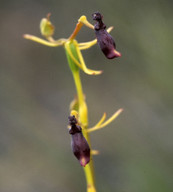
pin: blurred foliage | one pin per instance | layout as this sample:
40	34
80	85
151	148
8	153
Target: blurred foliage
36	88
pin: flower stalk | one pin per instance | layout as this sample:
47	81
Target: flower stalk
78	118
82	113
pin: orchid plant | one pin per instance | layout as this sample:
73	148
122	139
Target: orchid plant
78	119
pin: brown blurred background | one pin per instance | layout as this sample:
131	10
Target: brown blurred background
36	88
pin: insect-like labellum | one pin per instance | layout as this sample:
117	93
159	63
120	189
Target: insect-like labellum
79	144
104	39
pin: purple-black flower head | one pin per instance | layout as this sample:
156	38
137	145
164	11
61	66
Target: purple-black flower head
79	144
104	39
72	120
97	16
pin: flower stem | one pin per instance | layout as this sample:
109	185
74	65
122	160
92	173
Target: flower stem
83	117
83	113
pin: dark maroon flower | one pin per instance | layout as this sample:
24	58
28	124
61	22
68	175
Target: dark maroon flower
79	144
104	39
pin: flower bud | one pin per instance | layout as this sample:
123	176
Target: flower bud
79	144
46	27
104	39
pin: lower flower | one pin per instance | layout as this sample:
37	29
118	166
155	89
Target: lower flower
79	144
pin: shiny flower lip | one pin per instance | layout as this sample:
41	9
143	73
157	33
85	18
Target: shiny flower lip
79	145
104	39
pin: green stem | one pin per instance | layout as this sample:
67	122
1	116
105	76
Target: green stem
83	114
88	169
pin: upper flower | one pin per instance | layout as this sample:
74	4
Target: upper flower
72	47
104	39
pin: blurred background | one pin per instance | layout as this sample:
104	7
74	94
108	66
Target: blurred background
36	88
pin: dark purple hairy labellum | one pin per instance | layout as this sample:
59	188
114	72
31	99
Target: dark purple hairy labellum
79	144
104	39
